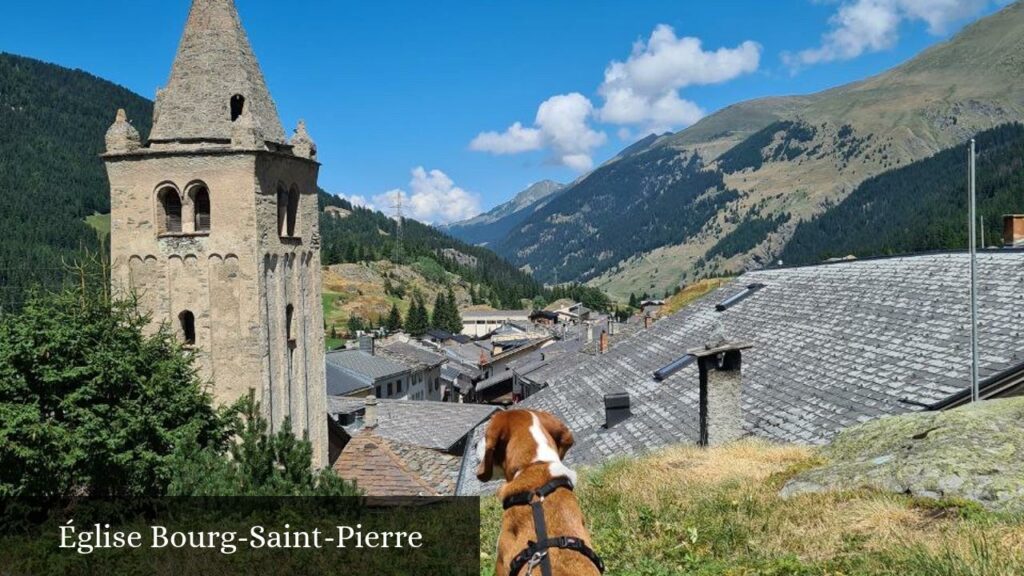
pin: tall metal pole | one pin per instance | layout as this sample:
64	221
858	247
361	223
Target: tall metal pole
974	278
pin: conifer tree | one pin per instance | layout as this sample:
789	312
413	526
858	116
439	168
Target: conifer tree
454	318
394	322
418	321
440	318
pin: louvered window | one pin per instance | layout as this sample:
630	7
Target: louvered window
201	204
170	206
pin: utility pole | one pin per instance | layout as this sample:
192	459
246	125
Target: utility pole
974	275
398	253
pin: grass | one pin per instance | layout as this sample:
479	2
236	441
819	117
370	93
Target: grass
688	511
692	292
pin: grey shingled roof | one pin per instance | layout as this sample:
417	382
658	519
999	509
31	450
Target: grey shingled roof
352	370
834	345
214	62
437	425
411	354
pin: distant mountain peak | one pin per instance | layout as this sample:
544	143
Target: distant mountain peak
495	223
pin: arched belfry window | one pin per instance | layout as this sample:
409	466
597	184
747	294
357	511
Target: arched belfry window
287	211
237	106
187	320
201	207
169	204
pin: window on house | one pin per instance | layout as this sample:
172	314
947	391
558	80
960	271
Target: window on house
399	386
237	106
201	206
170	210
187	320
390	391
377	390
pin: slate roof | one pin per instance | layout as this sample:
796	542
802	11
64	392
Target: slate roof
834	345
428	424
382	467
349	371
412	355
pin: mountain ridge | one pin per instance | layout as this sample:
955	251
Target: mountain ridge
485	228
791	158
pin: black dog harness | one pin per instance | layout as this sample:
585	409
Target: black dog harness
536	554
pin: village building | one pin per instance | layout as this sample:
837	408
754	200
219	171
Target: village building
393	368
424	365
401	448
214	226
830	346
480	323
480	371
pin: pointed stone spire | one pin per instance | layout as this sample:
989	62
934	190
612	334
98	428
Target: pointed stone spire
122	136
214	81
302	144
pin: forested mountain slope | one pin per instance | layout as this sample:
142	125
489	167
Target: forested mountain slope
52	122
495	224
921	206
355	234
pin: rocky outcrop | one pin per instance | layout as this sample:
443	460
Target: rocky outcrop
974	453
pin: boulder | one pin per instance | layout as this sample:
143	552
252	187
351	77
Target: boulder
975	453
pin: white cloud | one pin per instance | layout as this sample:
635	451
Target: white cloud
435	199
641	92
644	90
861	26
561	125
358	200
512	141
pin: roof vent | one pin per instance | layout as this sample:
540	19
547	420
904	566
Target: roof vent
616	408
737	298
675	366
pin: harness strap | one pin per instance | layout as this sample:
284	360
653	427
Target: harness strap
541	527
540	550
524	498
536	553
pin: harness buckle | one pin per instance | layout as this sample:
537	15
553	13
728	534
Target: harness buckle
535	561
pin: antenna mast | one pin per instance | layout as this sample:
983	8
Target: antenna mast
398	253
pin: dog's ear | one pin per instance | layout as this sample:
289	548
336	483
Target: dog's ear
558	431
489	444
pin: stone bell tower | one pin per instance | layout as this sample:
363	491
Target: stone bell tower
214	226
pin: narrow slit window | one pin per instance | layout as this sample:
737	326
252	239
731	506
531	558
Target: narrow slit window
188	327
237	106
282	211
289	316
293	210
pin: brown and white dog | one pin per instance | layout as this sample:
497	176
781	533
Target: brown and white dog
527	447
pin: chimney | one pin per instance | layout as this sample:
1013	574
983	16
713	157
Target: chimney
1013	230
721	388
589	330
616	408
603	343
648	321
366	344
370	416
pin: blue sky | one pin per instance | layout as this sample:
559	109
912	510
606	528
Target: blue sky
397	94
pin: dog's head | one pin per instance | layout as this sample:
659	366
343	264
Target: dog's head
518	438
